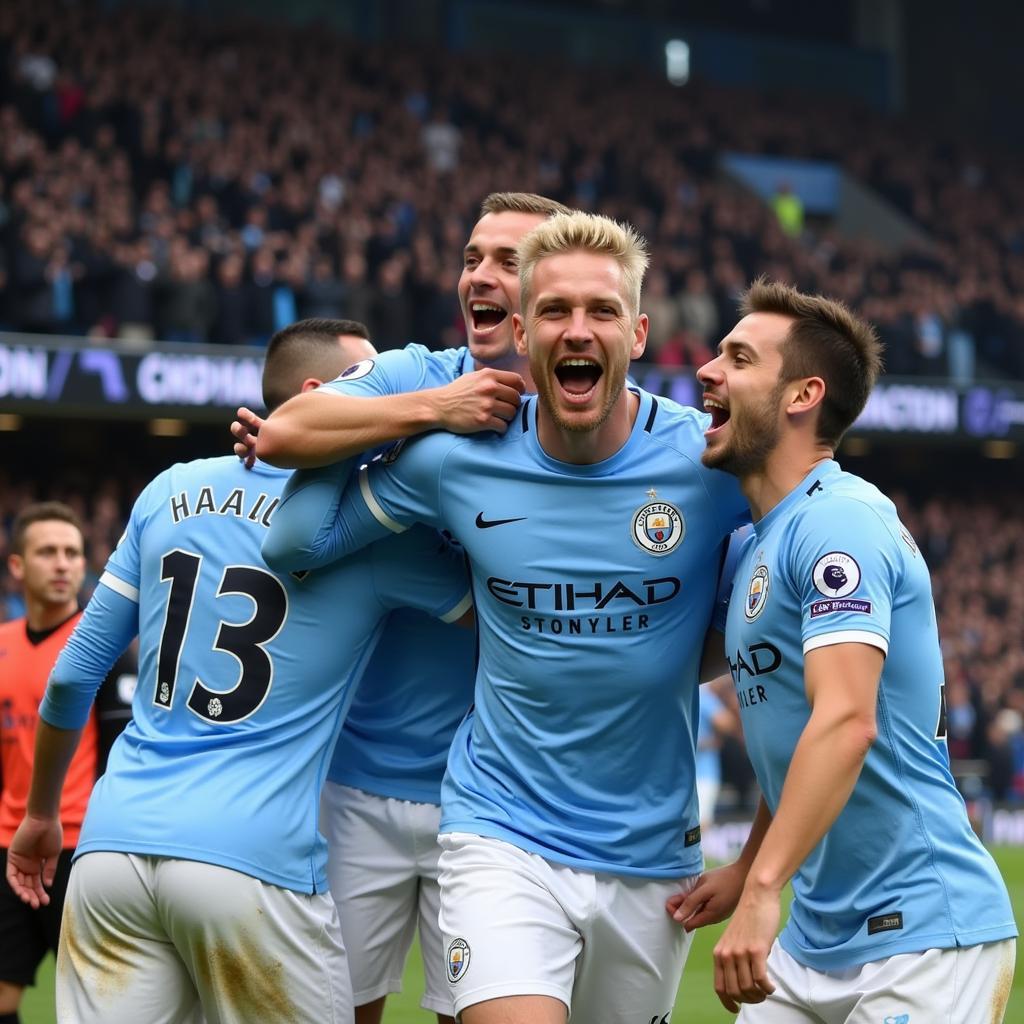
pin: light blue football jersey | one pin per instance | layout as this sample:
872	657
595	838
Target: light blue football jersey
419	683
244	674
900	870
594	588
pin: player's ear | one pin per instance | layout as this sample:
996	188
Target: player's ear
310	384
519	333
805	394
639	336
16	567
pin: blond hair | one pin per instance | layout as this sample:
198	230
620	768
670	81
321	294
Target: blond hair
825	340
585	232
521	202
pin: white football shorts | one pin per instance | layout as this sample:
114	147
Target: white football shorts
517	924
165	941
382	866
937	986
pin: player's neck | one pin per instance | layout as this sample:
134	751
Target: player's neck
42	616
513	362
585	448
781	472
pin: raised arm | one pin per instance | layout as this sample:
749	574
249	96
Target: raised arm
320	427
326	514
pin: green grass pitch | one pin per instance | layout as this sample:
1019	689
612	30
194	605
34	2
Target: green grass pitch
697	1003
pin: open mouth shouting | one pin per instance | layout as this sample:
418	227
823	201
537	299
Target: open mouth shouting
719	414
577	378
486	316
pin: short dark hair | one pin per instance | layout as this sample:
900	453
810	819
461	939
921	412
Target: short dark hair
306	348
41	512
825	340
521	202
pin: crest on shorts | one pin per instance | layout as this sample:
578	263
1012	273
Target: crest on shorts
458	959
658	527
836	574
757	593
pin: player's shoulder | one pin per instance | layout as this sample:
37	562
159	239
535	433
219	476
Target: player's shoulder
679	426
402	369
838	502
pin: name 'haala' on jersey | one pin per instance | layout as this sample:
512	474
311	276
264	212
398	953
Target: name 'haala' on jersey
237	503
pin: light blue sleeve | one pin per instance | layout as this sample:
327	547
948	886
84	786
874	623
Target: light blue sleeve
421	569
846	567
108	626
396	372
303	524
385	497
404	486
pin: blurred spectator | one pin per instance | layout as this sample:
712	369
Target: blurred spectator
789	209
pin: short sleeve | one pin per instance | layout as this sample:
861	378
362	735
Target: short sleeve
845	566
396	372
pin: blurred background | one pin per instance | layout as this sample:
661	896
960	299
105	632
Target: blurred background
178	180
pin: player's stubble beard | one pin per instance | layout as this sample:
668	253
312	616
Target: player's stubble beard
753	435
548	397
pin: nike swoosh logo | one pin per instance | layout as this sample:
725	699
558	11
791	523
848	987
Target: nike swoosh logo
486	524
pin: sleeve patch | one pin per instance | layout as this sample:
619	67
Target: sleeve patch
357	370
836	574
838	605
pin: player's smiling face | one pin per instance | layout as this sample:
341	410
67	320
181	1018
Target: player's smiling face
489	285
580	335
743	394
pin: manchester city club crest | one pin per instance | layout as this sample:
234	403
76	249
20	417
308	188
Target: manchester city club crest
658	527
757	593
836	574
458	959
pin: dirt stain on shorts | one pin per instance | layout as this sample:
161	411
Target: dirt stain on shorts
245	978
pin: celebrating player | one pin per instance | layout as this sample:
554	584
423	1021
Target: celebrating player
594	536
200	878
381	803
899	913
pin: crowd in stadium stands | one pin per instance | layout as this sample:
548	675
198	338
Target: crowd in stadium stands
974	547
168	176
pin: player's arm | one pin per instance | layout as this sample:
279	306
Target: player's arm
323	426
421	569
717	892
323	516
841	682
105	630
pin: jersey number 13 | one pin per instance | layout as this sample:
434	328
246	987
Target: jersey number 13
243	640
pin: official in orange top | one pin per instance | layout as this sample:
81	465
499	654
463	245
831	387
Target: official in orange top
48	560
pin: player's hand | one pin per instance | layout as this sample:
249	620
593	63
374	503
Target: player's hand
245	430
711	900
482	400
741	954
32	859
